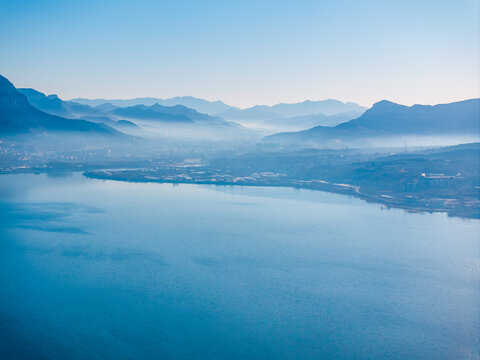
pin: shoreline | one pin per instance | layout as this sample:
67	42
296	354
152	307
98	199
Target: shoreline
317	185
102	173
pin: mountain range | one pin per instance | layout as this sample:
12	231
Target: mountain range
18	116
177	114
28	110
111	115
202	106
218	108
386	119
308	107
52	104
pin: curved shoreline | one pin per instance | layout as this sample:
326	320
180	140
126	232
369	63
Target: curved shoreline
319	185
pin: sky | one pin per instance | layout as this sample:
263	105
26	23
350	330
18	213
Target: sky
245	52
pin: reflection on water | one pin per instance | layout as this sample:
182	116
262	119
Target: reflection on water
112	270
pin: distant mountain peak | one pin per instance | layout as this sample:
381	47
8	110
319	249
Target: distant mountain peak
385	103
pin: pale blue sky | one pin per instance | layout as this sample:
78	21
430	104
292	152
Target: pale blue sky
245	52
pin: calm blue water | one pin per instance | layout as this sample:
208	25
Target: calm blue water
112	270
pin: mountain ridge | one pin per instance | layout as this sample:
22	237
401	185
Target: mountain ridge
201	105
171	114
53	105
219	108
260	113
386	118
18	116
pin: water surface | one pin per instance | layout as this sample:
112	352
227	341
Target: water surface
93	269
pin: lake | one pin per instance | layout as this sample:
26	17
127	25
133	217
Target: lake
95	269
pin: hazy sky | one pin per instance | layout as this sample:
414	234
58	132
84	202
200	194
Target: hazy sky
245	52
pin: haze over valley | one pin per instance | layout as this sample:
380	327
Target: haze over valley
416	146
